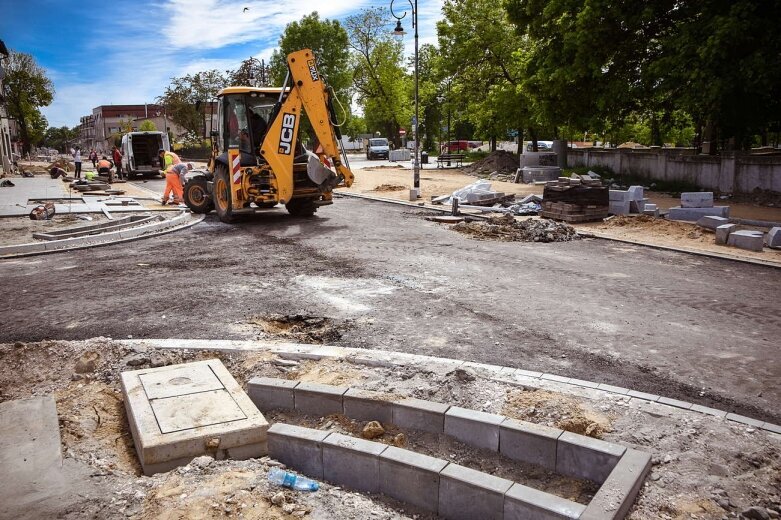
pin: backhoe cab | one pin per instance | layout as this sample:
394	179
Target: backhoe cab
257	160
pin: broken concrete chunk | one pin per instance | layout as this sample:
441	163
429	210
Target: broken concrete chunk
774	238
712	222
750	240
723	232
697	199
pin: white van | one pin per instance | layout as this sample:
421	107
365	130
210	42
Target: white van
139	152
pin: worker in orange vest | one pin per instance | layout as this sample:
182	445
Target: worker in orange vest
104	167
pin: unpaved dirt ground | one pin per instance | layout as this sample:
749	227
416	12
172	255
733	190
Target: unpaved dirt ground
702	467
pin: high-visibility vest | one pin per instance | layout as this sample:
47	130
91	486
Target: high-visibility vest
170	159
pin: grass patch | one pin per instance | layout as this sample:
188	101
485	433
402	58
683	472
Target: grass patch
475	155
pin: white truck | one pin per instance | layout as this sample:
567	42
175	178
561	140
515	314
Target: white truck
139	152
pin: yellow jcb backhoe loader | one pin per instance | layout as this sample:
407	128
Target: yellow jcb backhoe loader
257	160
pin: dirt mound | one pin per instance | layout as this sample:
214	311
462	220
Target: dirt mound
558	410
506	228
305	329
658	226
389	187
500	161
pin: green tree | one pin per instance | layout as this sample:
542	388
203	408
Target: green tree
27	89
381	83
483	73
181	98
327	39
147	126
60	138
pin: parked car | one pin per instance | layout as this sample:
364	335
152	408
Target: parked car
454	146
139	152
377	148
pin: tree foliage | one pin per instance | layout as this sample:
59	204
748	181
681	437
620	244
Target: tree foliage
381	83
183	94
60	138
147	126
27	89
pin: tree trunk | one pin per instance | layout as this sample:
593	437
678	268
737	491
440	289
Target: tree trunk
656	134
493	143
533	135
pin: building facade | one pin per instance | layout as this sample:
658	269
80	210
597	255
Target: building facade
97	130
6	148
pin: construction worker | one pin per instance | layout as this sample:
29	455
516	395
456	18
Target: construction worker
167	159
104	167
174	182
117	156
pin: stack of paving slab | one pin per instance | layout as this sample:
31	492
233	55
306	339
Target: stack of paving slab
695	205
631	201
575	199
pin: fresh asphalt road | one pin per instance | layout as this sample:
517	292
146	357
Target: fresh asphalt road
684	326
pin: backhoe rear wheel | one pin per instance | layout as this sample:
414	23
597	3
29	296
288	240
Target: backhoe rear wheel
301	207
196	195
222	194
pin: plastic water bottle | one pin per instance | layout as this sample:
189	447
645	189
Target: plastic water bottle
290	480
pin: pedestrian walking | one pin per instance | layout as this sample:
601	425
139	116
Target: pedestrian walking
77	162
174	182
118	162
93	156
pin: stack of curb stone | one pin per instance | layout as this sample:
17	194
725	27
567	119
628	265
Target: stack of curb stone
625	202
730	235
695	205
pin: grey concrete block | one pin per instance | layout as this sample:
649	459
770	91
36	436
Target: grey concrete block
650	207
583	382
529	442
643	395
270	393
411	477
636	206
775	428
364	405
723	232
619	196
352	462
583	457
616	207
613	389
697	199
297	447
479	429
616	496
750	240
744	420
33	247
774	238
635	193
319	400
674	402
695	214
418	414
553	377
466	494
710	411
524	503
712	222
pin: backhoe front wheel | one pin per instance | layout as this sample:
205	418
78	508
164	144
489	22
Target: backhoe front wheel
301	207
196	195
222	194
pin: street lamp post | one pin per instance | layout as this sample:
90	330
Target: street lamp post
399	33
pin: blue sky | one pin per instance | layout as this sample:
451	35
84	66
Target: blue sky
99	53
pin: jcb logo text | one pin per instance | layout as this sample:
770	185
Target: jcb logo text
313	70
286	135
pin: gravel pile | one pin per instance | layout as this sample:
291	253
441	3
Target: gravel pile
506	228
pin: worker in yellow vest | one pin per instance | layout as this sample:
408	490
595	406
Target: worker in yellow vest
167	159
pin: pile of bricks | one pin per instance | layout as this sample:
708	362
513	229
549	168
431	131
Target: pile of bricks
575	200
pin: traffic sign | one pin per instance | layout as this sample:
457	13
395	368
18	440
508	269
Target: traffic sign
402	131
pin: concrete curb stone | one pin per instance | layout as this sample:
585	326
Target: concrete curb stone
467	494
583	457
525	503
529	442
479	429
411	477
358	469
297	447
417	414
318	399
365	405
623	483
269	393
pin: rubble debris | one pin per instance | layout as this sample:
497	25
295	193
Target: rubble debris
389	187
87	362
501	164
7	184
304	329
372	430
506	228
43	212
575	200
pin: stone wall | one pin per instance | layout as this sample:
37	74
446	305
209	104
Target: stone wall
728	173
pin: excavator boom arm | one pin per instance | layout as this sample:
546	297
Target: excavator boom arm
308	92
